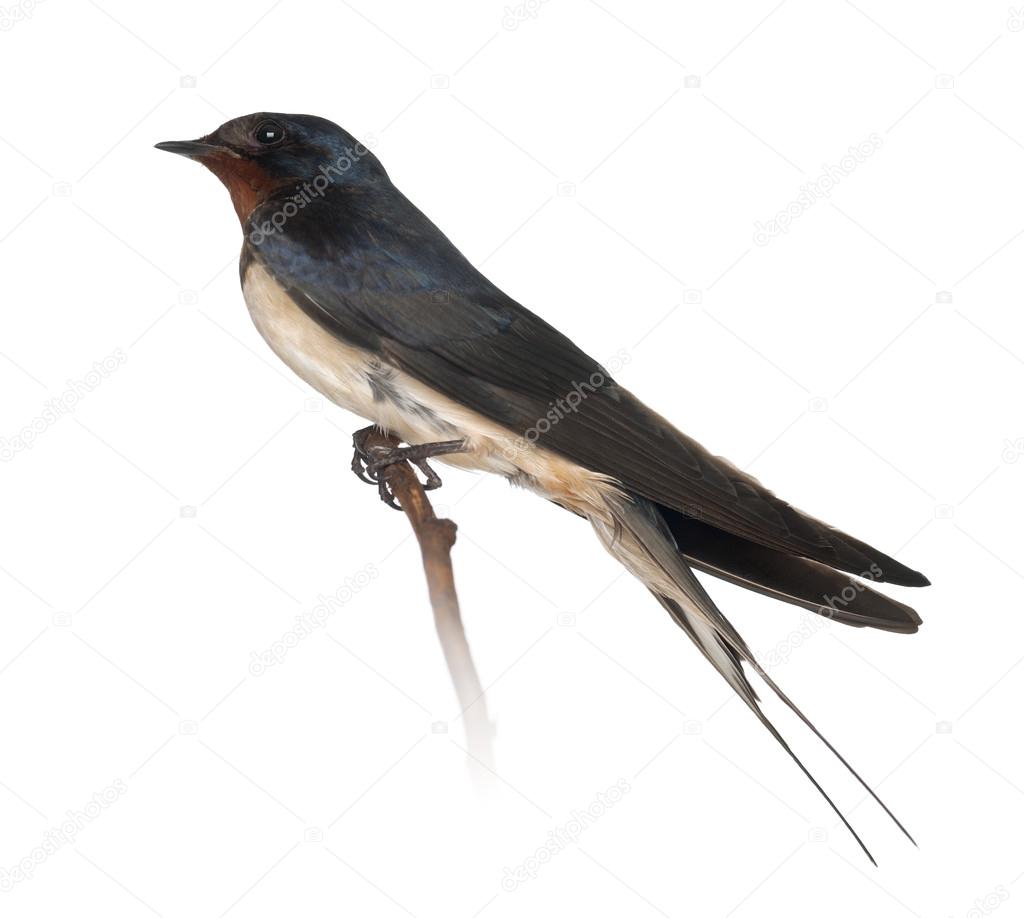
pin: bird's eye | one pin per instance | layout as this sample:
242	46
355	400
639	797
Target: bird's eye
268	132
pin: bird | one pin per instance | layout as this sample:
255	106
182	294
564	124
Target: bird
367	301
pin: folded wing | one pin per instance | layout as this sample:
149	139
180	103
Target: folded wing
381	275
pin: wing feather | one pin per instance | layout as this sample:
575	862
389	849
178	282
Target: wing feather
374	271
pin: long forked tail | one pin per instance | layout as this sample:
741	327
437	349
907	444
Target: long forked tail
636	534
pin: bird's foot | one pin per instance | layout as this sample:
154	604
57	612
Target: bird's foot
370	459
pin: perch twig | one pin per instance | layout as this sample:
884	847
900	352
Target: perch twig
436	537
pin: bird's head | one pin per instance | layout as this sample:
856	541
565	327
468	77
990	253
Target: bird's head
258	154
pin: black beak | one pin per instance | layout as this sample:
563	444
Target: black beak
194	149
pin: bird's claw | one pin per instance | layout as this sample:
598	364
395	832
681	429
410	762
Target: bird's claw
362	468
368	462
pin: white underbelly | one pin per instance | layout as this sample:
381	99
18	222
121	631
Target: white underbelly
336	370
352	378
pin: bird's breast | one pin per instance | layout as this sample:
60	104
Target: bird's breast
339	371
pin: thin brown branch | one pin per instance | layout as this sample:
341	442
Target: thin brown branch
436	537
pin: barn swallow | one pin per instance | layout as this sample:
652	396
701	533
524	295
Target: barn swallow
366	300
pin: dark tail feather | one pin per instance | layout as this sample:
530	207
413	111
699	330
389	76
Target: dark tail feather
774	732
784	698
800	581
637	533
746	692
853	552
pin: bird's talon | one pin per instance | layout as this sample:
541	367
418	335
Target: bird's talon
387	495
368	462
433	480
360	468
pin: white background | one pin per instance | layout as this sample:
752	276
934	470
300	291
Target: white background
867	365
